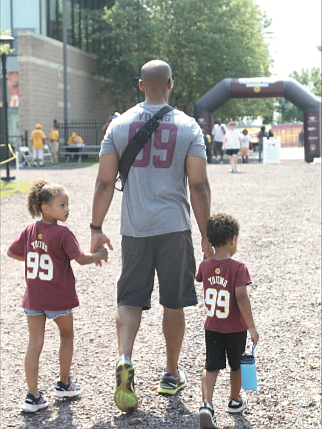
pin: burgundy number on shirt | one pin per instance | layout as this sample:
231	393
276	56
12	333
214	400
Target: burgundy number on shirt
158	144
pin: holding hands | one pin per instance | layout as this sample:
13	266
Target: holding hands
102	251
97	242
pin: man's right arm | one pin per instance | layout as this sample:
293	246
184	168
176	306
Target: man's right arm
103	194
200	198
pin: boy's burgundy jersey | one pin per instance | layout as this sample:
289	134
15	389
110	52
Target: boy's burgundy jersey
48	250
220	278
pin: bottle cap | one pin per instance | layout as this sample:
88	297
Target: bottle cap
247	358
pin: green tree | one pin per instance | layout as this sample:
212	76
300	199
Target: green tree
311	80
203	42
126	38
5	49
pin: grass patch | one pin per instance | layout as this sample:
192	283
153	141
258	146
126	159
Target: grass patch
8	188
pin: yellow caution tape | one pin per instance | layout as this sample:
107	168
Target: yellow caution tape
14	156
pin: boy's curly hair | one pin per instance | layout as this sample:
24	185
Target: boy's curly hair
41	192
221	228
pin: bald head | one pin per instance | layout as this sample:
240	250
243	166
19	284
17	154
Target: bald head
155	75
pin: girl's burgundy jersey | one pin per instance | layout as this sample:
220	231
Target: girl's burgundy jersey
220	278
48	250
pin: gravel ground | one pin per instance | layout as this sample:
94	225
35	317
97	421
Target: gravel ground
278	207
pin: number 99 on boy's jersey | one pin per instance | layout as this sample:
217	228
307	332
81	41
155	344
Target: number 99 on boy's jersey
219	299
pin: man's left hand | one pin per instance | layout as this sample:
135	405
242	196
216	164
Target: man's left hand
207	248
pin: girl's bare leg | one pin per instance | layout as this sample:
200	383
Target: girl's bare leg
36	326
66	329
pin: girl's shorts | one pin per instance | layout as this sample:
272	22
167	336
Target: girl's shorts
232	151
49	314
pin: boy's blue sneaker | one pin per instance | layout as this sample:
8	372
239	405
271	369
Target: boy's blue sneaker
124	395
206	416
170	384
33	404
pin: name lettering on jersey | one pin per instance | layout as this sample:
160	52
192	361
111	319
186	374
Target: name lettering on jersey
39	244
217	280
146	116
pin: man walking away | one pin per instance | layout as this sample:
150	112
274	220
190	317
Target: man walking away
155	224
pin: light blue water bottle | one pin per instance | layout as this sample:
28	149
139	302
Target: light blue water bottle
248	370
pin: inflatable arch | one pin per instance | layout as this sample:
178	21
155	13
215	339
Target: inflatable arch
262	87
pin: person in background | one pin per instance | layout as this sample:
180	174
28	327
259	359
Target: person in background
73	141
261	136
301	138
245	141
218	133
270	133
232	144
38	140
53	142
207	141
113	116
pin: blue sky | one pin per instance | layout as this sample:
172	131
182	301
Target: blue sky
296	27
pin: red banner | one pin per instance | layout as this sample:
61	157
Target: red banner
289	134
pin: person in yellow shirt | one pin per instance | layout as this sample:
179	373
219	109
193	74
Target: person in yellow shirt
38	139
53	142
75	141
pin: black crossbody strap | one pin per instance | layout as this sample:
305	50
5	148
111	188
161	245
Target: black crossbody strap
137	142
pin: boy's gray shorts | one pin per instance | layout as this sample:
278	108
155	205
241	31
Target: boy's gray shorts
171	255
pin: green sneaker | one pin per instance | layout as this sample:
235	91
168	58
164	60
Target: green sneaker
124	395
170	384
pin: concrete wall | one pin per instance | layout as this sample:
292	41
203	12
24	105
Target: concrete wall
41	82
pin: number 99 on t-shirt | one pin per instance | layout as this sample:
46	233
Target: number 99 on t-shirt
219	299
44	262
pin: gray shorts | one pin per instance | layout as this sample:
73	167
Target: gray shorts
171	255
217	146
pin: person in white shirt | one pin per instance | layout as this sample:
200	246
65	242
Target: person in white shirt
218	135
232	144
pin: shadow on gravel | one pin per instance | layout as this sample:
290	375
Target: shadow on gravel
241	422
41	418
176	416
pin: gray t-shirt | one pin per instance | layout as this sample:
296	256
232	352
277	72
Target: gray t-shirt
155	198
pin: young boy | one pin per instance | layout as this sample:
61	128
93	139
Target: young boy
229	315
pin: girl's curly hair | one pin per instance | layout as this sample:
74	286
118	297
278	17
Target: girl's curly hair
41	192
221	228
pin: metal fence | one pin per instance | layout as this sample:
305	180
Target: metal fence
91	132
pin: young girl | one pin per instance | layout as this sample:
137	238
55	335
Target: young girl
244	151
47	248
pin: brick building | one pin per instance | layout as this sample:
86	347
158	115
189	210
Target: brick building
35	72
